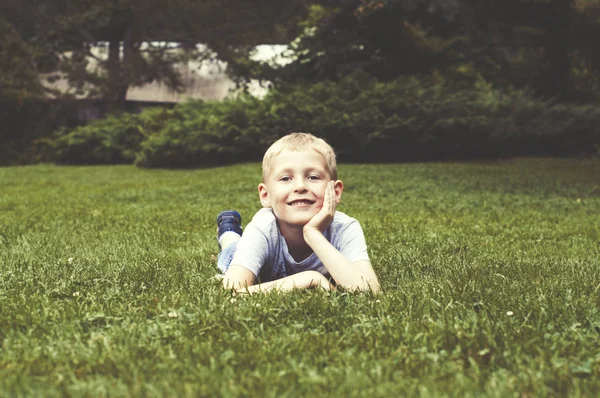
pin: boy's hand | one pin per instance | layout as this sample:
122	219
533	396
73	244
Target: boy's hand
324	217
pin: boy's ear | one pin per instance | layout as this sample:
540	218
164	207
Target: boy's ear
263	195
338	188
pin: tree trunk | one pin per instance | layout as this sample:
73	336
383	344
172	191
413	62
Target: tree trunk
119	70
557	79
126	67
112	94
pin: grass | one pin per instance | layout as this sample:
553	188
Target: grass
491	278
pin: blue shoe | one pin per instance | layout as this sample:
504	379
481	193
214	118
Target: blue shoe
229	220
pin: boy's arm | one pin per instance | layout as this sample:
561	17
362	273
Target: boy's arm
238	277
354	276
301	280
243	281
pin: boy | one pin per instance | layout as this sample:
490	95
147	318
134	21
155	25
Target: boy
298	240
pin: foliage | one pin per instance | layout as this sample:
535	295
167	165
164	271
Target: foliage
24	116
384	39
102	49
430	118
489	274
541	45
26	123
201	134
18	75
111	140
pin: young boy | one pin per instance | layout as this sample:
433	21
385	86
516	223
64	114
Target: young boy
298	240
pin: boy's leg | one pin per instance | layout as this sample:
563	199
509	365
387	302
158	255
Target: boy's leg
229	231
227	239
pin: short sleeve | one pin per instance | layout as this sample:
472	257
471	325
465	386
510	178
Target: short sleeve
352	244
252	250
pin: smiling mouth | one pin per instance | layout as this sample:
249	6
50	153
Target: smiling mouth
301	202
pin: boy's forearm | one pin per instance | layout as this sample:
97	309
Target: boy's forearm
302	280
342	270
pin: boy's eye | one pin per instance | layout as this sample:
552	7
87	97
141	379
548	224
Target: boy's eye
314	177
285	179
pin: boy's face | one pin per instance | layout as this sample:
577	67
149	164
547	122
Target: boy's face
295	186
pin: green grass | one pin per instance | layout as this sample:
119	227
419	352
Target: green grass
106	289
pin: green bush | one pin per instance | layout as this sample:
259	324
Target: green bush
427	118
199	134
25	123
111	140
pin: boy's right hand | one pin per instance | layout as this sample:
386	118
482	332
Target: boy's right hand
323	219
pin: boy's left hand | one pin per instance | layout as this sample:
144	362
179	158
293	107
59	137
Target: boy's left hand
324	217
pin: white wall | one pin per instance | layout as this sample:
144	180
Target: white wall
206	80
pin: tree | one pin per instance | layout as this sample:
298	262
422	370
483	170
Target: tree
18	58
18	75
524	43
385	38
533	26
140	41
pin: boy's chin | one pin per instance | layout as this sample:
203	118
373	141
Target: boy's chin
298	222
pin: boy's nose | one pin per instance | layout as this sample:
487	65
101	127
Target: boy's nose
300	184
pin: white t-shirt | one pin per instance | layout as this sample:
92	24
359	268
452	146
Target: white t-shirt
263	250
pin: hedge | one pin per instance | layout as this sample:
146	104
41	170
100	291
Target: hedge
407	119
25	123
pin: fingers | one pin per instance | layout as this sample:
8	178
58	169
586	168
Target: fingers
327	199
330	193
332	196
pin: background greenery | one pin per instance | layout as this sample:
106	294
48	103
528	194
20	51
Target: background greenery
432	79
363	119
489	271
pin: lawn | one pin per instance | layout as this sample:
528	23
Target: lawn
490	272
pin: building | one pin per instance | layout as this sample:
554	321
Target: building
206	80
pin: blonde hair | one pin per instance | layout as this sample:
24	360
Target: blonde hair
300	142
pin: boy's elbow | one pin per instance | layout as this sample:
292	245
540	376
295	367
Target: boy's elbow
230	284
227	284
374	288
363	279
368	286
237	277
